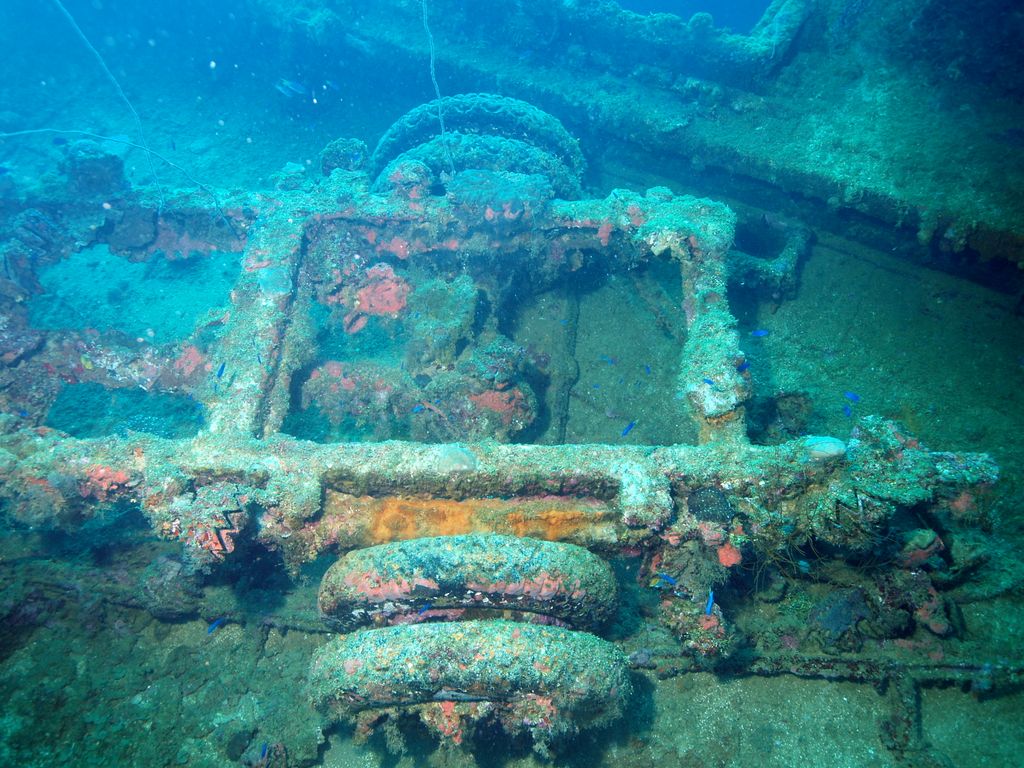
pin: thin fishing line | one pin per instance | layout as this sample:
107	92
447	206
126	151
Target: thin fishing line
110	76
437	89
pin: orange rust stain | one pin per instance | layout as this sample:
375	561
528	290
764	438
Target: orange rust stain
394	519
549	524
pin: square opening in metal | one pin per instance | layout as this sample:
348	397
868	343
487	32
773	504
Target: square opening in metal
468	340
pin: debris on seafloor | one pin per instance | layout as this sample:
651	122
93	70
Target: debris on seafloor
363	396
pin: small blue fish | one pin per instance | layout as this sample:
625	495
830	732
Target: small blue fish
647	370
709	382
760	333
667	579
263	751
220	371
606	359
417	408
629	428
424	609
215	624
710	603
853	397
743	366
847	411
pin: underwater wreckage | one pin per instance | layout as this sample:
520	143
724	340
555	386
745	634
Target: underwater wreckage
473	583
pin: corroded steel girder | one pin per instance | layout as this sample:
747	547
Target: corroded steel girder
306	498
303	496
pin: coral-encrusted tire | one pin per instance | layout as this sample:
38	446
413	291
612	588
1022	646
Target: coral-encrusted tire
470	576
546	680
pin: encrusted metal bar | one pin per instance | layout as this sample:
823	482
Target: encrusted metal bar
247	357
807	483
